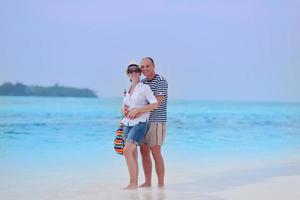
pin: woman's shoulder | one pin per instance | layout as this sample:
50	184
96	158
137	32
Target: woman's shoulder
144	85
126	90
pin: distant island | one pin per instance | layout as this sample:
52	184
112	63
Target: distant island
19	89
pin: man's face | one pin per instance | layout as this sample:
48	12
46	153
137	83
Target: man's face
147	67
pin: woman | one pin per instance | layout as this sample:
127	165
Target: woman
139	101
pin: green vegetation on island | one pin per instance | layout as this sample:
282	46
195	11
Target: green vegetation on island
19	89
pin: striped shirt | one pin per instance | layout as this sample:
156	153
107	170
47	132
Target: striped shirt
159	86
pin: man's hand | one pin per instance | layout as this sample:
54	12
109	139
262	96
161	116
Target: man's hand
138	115
132	114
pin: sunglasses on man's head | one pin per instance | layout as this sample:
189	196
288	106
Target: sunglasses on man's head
130	71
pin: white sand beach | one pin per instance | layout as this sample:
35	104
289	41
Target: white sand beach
271	181
278	188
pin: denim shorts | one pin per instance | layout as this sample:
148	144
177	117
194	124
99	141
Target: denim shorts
135	133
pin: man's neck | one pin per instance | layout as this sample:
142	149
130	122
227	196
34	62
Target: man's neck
151	77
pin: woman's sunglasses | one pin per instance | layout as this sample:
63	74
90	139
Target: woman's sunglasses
130	71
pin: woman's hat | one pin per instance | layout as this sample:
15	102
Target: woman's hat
132	67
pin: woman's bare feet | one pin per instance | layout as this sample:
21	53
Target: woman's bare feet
160	185
145	185
131	187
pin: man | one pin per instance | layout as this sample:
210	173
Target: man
157	124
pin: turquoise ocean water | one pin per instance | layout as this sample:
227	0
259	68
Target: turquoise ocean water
42	138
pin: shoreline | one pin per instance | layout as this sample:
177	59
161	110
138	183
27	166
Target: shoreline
222	183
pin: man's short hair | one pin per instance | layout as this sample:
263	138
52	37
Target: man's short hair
149	58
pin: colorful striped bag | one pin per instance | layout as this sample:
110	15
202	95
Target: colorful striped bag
119	141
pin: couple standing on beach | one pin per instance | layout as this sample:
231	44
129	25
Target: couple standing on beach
145	117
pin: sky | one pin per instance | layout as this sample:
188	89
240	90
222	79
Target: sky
209	50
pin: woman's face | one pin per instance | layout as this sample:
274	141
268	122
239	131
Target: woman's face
134	74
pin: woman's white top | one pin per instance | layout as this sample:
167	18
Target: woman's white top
141	96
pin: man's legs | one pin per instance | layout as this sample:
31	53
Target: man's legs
159	164
154	139
147	165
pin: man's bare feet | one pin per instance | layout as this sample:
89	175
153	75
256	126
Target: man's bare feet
131	187
160	185
145	185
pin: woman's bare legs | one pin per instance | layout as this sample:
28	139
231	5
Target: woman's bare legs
130	153
147	165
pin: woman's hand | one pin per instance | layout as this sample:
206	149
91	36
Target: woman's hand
125	110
